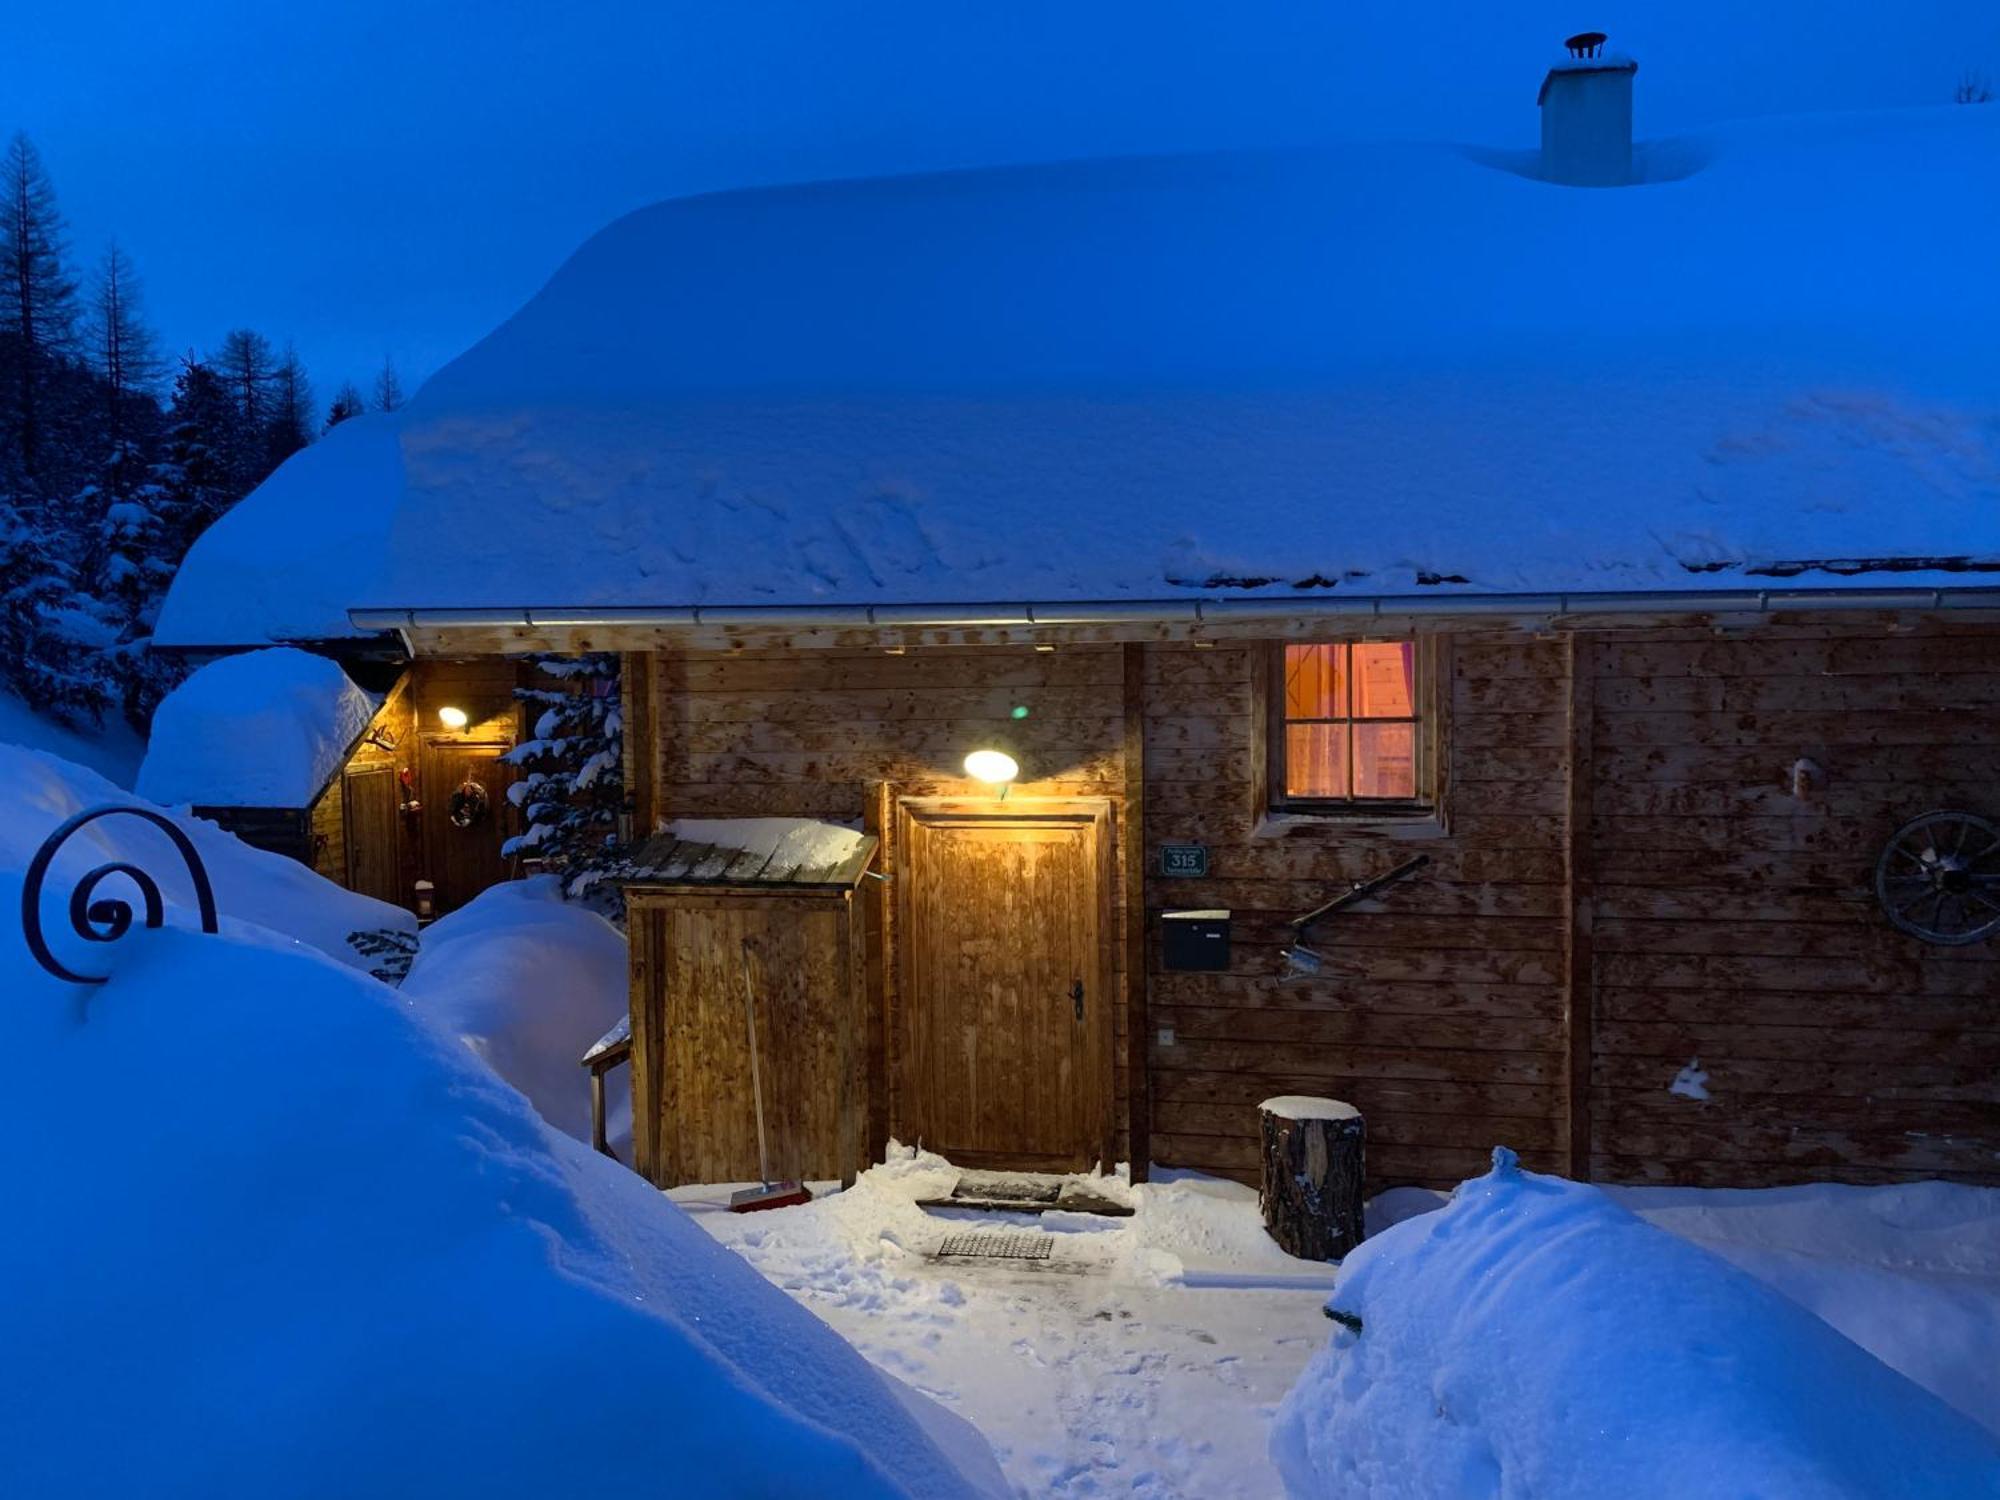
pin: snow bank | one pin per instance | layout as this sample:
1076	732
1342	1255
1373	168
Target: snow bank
261	729
1534	1338
269	1233
528	981
1910	1272
253	889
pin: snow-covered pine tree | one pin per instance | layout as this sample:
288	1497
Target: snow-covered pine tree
194	470
574	786
42	660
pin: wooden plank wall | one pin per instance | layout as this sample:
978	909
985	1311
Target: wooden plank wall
1623	883
1440	1012
692	1084
329	832
818	733
1736	922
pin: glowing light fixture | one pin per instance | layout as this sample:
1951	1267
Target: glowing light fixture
452	718
994	767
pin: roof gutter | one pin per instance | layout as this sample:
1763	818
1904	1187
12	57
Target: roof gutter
1179	611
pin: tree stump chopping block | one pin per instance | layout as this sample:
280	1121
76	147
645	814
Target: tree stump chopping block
1311	1195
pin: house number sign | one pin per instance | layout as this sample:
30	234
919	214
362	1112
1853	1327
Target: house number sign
1189	861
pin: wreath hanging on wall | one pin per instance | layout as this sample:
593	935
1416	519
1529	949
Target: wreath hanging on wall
469	805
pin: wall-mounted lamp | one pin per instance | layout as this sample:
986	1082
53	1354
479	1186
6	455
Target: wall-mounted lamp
452	718
994	767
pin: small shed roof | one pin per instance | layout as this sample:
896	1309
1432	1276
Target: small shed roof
266	728
787	852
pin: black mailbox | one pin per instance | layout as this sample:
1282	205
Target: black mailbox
1195	939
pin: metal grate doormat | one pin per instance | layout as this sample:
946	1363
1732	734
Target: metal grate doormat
997	1246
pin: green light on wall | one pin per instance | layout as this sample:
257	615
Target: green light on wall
1020	710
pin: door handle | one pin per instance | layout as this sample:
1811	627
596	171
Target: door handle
1076	994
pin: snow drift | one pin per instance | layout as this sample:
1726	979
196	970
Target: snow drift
1533	1338
268	1233
262	729
528	981
255	891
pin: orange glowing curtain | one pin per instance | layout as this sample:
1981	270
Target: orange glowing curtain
1350	721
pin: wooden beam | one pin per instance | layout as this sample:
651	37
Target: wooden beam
1132	836
432	640
635	689
1579	902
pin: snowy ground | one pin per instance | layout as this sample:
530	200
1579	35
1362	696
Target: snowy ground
1095	1373
1130	1365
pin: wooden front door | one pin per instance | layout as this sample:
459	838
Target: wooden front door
462	862
370	799
1004	980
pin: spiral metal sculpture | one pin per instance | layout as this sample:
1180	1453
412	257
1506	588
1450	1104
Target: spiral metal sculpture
109	919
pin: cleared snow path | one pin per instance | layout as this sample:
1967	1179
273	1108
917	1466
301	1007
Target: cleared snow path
1093	1373
1148	1355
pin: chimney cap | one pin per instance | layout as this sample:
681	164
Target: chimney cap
1585	43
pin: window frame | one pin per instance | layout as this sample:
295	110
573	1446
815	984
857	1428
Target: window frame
1428	803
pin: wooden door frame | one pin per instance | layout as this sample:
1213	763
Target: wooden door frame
891	813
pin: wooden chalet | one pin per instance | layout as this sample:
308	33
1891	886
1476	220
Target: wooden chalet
1276	531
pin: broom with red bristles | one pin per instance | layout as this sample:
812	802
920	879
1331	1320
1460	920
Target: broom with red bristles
767	1194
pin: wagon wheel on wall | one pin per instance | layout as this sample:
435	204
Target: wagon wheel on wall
1939	878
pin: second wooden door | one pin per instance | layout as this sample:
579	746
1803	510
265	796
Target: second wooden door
463	861
1004	980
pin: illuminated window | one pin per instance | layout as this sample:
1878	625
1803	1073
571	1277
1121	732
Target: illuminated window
1349	727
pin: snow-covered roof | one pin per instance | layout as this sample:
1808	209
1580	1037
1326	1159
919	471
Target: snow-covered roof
290	560
1372	369
264	729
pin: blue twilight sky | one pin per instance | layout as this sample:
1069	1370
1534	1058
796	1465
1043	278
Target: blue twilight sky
394	177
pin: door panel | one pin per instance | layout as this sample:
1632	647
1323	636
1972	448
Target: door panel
1002	917
370	801
463	861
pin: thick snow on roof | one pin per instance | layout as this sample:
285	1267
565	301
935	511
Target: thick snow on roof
1372	368
288	563
263	729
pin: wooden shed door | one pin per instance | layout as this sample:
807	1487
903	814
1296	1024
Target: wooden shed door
463	861
369	799
1004	980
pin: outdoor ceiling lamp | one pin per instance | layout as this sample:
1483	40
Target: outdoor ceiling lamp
994	767
452	718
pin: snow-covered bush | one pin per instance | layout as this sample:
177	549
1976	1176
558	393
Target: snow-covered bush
1535	1339
529	981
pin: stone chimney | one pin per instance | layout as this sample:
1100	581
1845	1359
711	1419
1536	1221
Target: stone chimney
1586	106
